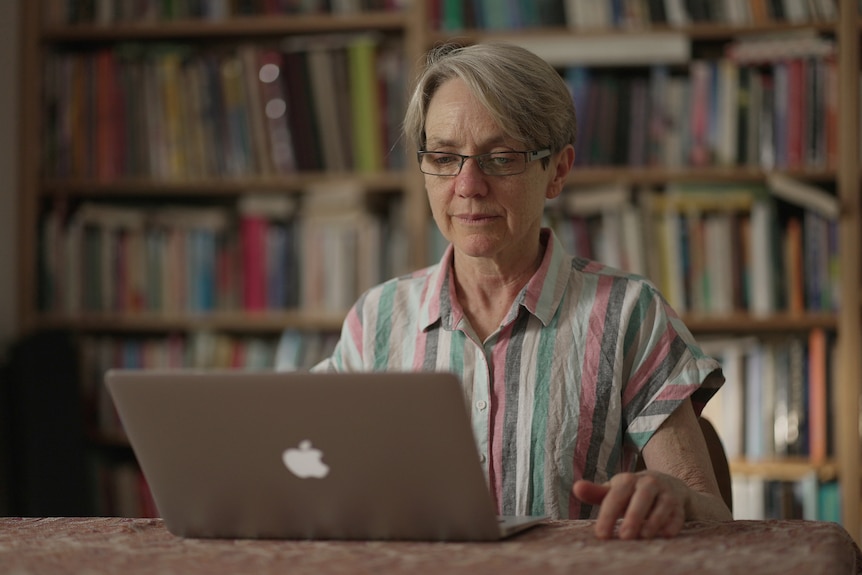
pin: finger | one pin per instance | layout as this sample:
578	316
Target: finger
665	513
614	505
589	492
674	525
641	506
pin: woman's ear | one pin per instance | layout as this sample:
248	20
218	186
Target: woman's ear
561	165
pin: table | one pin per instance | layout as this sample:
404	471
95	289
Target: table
132	546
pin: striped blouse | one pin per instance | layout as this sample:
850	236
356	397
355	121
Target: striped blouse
582	371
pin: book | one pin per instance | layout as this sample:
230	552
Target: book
762	256
301	114
818	382
268	265
727	408
366	115
261	154
328	115
109	129
276	108
342	249
803	194
238	144
632	48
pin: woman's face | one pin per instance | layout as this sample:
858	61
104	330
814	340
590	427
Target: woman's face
492	217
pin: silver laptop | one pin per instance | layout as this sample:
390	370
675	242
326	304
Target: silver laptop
238	454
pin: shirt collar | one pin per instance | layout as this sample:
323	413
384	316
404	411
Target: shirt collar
541	296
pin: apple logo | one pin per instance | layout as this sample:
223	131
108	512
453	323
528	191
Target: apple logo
305	461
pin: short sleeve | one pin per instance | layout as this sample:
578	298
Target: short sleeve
665	365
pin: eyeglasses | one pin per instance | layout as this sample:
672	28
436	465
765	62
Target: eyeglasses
492	164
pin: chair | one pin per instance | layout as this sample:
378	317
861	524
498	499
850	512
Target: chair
720	466
717	456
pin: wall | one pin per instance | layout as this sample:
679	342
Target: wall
9	26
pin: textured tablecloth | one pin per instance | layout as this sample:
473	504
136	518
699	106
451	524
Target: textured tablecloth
130	546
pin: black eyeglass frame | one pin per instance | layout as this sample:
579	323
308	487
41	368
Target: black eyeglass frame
529	156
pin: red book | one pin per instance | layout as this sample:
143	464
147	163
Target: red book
795	113
108	129
253	240
817	382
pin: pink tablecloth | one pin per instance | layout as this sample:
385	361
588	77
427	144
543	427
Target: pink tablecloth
131	546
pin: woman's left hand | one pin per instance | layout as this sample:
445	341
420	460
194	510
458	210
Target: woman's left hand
650	504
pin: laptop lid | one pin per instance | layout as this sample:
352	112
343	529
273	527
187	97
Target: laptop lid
238	454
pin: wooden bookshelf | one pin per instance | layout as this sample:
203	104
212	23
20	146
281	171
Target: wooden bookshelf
413	30
792	469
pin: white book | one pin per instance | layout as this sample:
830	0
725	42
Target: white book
633	244
756	498
761	258
804	195
726	409
753	441
675	290
608	244
728	74
719	262
676	12
807	490
593	200
769	375
632	48
739	491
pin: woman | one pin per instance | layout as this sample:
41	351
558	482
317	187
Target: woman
571	369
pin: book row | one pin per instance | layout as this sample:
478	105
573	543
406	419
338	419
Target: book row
777	400
184	111
760	498
183	259
291	351
106	12
749	109
710	249
625	14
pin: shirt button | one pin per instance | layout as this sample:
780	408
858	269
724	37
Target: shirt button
481	404
482	458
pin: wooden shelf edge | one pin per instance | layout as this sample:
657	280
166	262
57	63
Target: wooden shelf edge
263	322
582	175
696	31
371	182
390	181
785	469
747	323
234	27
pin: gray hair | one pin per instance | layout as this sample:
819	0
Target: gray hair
522	92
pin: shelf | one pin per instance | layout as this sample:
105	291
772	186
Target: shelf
653	176
695	32
391	182
749	324
263	322
785	469
231	28
372	183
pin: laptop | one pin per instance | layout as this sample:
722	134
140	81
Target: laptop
298	455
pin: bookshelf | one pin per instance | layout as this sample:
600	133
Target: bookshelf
413	30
